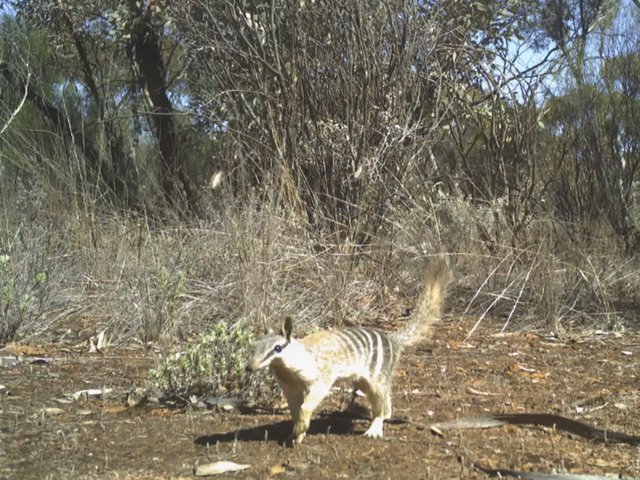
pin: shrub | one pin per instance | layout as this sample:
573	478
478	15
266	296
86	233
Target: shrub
18	297
215	364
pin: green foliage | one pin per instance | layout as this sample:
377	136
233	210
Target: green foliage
18	299
215	364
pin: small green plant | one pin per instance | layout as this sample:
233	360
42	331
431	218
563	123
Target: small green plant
17	298
215	364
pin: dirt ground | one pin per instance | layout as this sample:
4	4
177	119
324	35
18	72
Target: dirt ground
593	378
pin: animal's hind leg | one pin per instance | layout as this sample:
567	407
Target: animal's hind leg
388	407
380	399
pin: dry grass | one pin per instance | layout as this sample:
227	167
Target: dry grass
255	264
165	285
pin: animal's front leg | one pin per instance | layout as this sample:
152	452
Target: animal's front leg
311	401
294	400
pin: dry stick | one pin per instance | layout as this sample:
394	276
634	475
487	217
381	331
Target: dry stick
14	114
486	280
557	422
515	304
500	473
496	300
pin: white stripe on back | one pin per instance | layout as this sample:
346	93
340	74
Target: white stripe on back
381	354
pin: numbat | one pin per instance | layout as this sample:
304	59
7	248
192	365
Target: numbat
306	369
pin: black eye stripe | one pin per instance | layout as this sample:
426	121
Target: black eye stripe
279	348
274	351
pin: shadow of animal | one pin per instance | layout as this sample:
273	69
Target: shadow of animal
334	423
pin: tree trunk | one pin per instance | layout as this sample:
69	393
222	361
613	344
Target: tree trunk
147	55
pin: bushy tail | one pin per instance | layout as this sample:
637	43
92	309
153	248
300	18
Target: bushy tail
427	311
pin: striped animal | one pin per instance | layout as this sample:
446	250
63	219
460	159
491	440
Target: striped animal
306	369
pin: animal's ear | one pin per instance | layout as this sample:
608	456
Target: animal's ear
287	328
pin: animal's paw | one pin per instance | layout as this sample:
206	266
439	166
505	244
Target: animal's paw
294	439
375	430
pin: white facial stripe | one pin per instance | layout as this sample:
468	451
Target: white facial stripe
269	355
267	348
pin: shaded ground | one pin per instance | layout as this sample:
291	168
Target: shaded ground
595	379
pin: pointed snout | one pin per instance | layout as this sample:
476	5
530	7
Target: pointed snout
252	366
